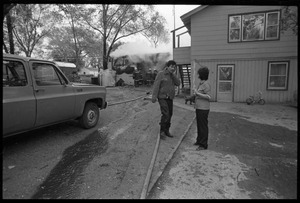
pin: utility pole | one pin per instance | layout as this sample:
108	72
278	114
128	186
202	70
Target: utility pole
174	15
177	68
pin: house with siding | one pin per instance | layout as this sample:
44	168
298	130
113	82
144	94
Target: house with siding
244	50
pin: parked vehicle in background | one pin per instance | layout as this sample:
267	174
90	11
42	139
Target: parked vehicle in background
36	93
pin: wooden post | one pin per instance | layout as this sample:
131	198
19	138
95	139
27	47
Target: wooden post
194	75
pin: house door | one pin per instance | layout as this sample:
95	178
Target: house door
225	83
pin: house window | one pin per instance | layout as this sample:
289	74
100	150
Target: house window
254	26
235	28
272	25
278	75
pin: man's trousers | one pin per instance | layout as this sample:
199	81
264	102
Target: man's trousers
166	108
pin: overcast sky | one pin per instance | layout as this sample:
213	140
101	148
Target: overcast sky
167	12
140	45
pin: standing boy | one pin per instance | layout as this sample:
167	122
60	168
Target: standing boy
164	91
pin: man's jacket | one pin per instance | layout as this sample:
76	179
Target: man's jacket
164	85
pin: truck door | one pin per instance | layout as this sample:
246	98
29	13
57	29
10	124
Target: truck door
55	98
19	102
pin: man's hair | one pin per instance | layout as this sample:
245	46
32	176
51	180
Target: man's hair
171	62
203	73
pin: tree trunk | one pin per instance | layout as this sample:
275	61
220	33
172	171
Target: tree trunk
104	38
105	64
10	34
75	42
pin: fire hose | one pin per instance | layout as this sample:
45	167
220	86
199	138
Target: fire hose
121	102
145	189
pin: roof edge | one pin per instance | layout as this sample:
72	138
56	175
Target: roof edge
185	18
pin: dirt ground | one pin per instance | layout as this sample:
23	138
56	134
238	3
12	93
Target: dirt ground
252	154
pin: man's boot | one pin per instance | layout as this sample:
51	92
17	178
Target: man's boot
162	135
167	132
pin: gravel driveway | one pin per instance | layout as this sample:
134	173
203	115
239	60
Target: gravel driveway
252	154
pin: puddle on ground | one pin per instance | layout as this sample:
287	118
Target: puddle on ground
65	178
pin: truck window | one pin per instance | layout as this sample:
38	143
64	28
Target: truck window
46	74
13	74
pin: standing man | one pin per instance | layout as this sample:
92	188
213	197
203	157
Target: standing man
164	91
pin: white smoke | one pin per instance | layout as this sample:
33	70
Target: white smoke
140	48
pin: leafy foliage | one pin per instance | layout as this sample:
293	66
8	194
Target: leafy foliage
32	22
157	33
289	19
114	22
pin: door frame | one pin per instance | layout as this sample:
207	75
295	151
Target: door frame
232	80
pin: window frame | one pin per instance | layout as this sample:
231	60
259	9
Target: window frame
49	82
21	82
229	28
286	79
278	26
242	27
265	19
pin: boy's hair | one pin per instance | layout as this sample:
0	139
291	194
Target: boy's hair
203	73
171	62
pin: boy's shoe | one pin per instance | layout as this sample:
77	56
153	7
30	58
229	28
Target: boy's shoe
196	143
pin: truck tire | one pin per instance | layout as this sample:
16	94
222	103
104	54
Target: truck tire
90	115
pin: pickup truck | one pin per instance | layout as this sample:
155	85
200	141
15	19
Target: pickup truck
36	93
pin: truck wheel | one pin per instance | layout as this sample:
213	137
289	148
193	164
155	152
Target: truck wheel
90	115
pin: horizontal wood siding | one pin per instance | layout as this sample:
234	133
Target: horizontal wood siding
250	76
209	36
182	55
210	47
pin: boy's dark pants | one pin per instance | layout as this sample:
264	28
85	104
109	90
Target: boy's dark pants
202	127
166	108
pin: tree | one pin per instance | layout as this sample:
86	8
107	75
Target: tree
157	33
289	19
114	22
31	23
7	8
69	11
62	48
8	36
61	44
